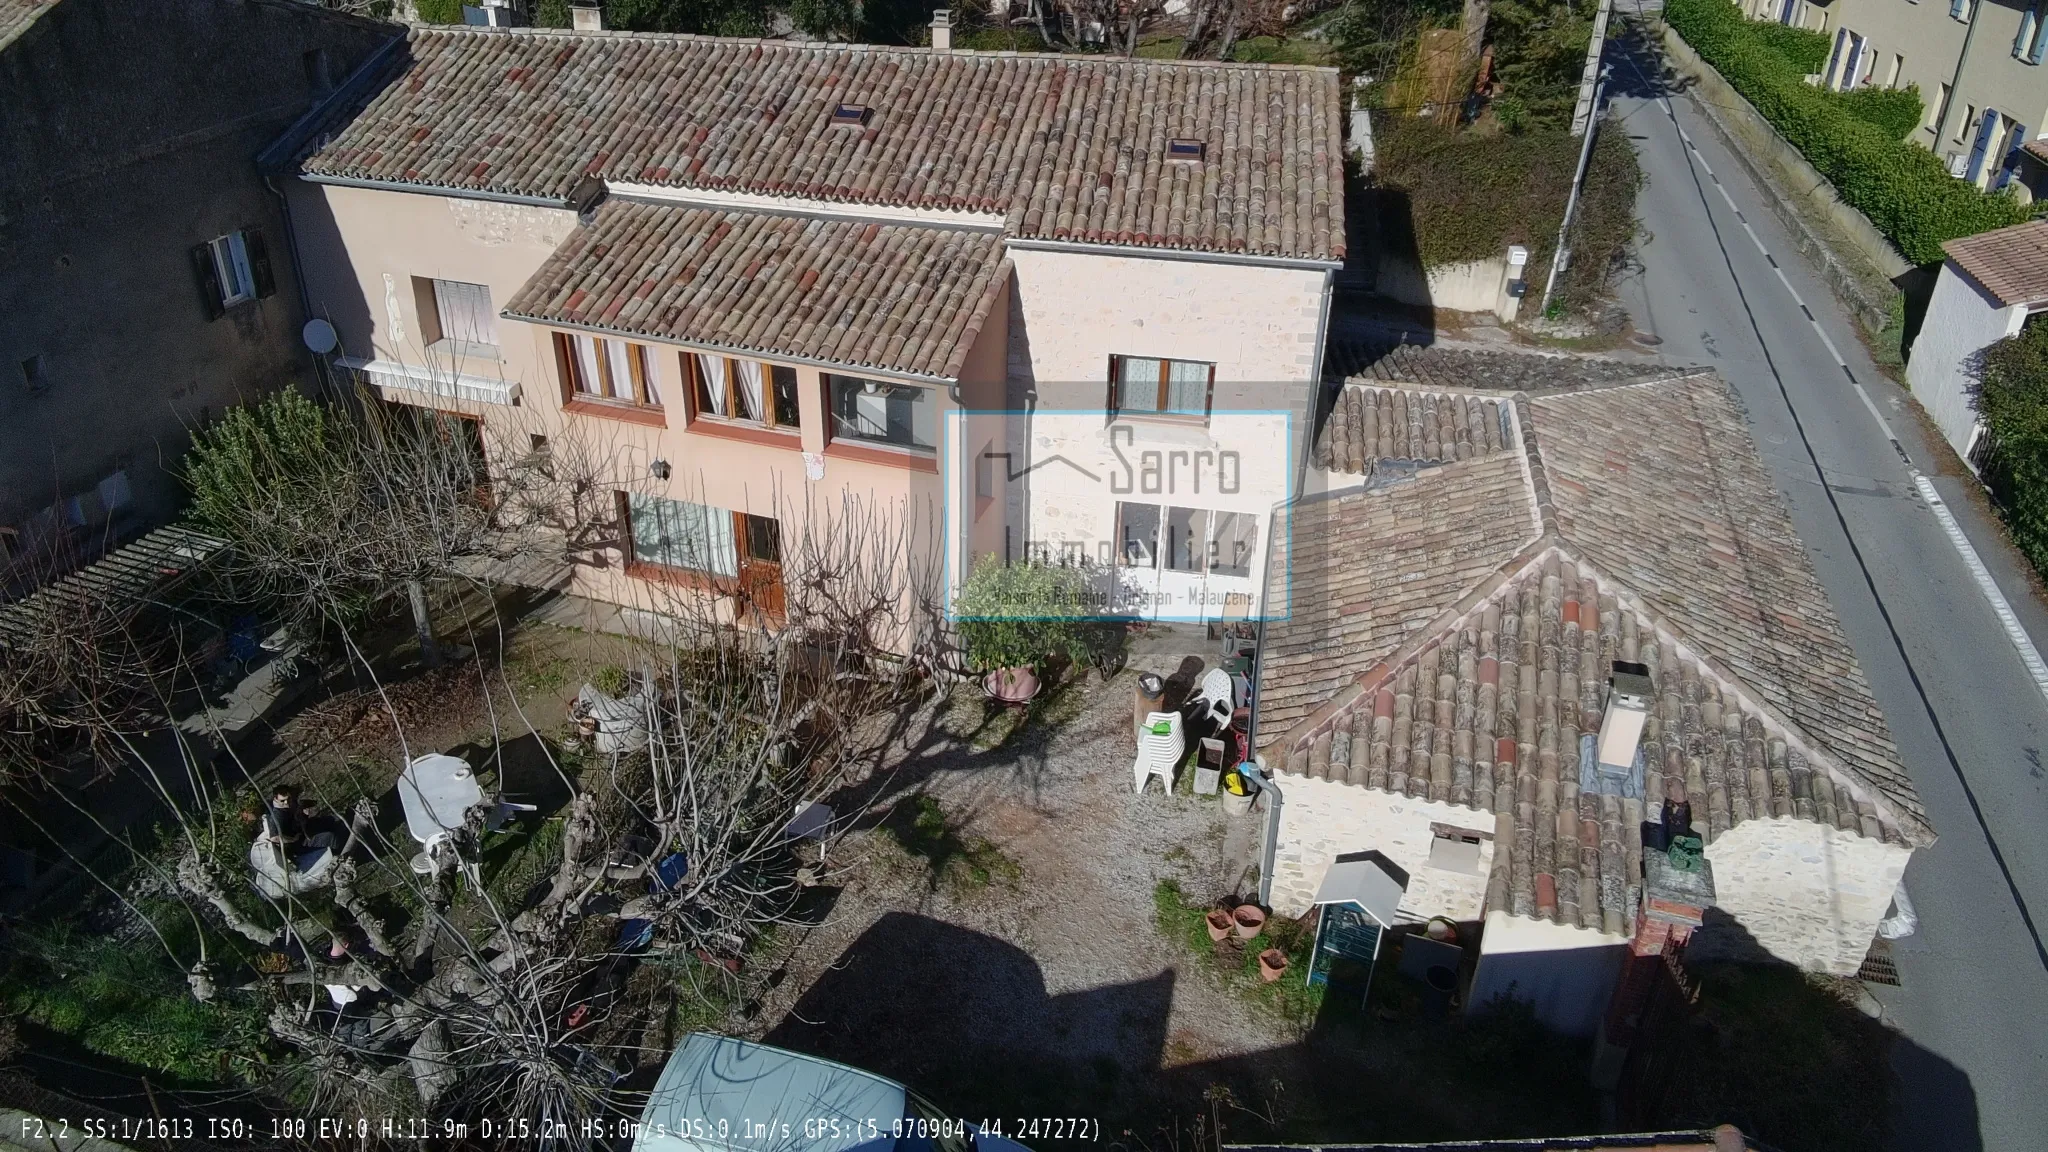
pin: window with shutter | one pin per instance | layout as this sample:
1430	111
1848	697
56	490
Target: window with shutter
465	313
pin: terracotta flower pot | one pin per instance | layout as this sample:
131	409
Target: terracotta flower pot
1272	963
1219	924
1248	921
1011	685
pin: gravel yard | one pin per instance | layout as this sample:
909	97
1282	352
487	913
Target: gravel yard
1045	991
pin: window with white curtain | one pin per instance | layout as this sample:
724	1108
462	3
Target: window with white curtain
1147	384
1193	540
465	313
748	391
602	368
681	535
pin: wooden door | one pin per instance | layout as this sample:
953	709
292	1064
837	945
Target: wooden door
760	547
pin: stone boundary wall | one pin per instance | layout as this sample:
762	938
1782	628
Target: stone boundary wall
1774	163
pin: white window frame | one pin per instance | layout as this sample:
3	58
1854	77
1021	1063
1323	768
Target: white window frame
231	267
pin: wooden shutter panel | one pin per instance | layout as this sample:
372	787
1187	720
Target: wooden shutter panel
1109	405
259	263
209	281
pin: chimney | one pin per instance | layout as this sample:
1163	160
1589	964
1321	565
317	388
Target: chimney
1628	708
942	30
587	18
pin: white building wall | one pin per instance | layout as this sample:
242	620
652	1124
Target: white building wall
1073	311
1567	973
1323	819
1962	320
1807	894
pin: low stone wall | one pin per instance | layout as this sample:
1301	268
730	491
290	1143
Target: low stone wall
1792	188
1470	286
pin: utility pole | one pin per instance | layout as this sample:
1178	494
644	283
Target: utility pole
1560	257
1582	114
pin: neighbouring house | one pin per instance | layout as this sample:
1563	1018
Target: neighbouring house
1979	68
768	276
1526	617
1987	288
149	277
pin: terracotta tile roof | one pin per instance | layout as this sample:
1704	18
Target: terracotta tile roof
2011	263
1451	365
1367	570
1663	488
17	15
1064	147
899	297
1470	615
1366	425
2038	149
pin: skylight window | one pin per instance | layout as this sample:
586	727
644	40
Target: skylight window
852	115
1185	149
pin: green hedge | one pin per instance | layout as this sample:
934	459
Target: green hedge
439	11
2012	395
1903	189
1447	196
1803	48
1896	111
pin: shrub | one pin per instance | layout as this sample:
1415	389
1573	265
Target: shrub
439	11
1903	189
2012	397
1896	111
1015	615
1802	48
1468	196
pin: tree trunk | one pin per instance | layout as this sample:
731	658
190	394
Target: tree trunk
1229	44
1131	37
196	878
1198	25
1473	23
423	623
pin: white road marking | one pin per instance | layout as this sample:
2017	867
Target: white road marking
2014	631
2028	656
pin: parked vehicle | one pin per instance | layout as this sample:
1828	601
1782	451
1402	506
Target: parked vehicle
718	1094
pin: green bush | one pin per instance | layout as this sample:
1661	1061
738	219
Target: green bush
1896	111
2012	396
1454	196
1903	189
1802	48
439	11
1015	615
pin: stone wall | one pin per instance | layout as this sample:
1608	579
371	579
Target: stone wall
1798	891
1322	819
129	136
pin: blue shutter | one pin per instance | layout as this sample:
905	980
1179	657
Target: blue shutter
2040	43
1979	149
1956	8
2029	20
1834	58
2011	152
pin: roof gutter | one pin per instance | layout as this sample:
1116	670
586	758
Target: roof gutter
732	349
437	190
1139	251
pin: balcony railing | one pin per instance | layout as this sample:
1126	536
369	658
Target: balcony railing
432	384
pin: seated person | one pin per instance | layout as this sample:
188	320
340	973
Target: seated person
284	824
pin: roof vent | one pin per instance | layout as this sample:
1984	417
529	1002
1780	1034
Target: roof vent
1185	149
851	115
586	18
1628	710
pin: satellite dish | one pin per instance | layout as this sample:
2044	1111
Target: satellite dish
319	336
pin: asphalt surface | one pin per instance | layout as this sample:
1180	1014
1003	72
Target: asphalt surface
1969	719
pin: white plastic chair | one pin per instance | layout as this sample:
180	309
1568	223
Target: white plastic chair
1159	752
1218	697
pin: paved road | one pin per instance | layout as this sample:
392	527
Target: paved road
1969	719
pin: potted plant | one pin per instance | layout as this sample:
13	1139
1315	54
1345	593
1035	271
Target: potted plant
1013	618
1219	921
1272	964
